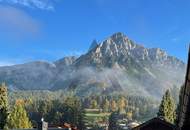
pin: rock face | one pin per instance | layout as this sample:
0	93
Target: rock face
115	65
93	45
118	48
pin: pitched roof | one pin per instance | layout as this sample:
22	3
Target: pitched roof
157	121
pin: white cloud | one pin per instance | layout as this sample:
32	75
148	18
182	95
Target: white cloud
40	4
5	63
17	23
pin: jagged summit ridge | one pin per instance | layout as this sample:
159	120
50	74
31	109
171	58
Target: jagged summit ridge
116	64
120	49
93	45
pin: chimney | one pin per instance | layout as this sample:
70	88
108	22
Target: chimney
42	125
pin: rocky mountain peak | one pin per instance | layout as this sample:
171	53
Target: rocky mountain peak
93	45
115	44
157	53
118	36
119	48
117	62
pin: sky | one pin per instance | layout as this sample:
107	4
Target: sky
51	29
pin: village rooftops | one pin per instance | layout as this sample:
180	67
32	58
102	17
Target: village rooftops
156	124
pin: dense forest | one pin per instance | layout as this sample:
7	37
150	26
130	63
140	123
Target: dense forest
58	107
142	108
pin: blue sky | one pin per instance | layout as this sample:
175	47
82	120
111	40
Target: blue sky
51	29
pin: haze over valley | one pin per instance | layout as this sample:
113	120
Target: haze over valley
117	65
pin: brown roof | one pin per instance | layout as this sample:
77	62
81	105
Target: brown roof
156	124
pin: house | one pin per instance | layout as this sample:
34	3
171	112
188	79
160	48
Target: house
184	114
132	125
156	124
44	126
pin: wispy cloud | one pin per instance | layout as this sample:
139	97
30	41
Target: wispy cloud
15	22
39	4
5	63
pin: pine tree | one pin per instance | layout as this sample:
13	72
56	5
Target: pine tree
81	119
129	115
122	105
178	109
113	106
113	121
3	106
167	108
106	105
18	118
74	113
93	104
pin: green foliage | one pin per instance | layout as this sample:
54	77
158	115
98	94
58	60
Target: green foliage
106	105
175	91
76	113
3	106
113	121
58	107
56	112
167	108
122	105
113	105
18	118
178	109
94	104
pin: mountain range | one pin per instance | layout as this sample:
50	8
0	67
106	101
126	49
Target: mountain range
115	65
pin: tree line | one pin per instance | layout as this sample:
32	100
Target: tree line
26	113
168	109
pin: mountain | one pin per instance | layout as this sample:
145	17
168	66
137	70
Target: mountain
115	65
33	75
93	45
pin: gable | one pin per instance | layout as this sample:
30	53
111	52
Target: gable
156	124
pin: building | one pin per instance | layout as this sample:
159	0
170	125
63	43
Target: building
184	114
184	110
156	124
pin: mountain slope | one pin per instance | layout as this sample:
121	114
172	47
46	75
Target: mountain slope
136	68
33	75
116	65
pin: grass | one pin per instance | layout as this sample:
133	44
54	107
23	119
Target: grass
95	115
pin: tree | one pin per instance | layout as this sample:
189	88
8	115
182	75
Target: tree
44	107
167	108
178	109
106	105
113	121
129	115
74	113
93	104
3	106
175	91
18	118
113	105
122	105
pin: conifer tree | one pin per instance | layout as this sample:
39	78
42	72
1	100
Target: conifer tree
113	121
106	105
18	118
178	109
94	104
3	106
122	105
113	106
167	108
